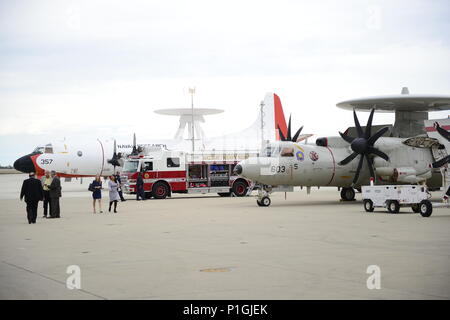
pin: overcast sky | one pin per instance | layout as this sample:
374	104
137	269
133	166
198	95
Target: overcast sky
89	69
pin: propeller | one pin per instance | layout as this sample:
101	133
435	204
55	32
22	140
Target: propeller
135	150
445	134
115	158
363	145
289	138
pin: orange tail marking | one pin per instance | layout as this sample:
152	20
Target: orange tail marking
280	120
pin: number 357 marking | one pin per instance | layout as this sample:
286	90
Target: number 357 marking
46	161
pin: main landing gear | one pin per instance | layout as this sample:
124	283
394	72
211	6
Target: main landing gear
347	194
264	196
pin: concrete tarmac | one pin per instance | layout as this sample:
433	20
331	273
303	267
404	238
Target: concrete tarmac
207	247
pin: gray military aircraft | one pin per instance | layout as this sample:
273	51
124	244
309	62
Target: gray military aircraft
339	161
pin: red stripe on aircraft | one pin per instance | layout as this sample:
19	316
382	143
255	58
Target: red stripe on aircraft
39	170
433	129
334	166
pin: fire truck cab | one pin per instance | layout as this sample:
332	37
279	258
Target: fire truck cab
165	172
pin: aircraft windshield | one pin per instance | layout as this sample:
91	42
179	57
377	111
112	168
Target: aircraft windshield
130	166
48	148
39	150
271	152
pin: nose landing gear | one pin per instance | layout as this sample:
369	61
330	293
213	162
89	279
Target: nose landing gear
263	199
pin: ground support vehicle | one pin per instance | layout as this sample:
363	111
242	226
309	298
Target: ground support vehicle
393	197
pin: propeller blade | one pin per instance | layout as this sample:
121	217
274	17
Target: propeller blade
134	151
357	125
441	162
370	164
369	124
442	131
115	147
281	134
294	139
379	153
348	159
358	170
288	138
346	137
377	135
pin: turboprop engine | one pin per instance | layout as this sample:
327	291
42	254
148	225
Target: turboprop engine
403	174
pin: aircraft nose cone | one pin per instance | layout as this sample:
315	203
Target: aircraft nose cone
24	164
238	169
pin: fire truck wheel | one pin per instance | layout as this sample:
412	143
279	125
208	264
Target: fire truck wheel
224	194
347	194
160	190
426	208
393	206
240	188
416	207
368	205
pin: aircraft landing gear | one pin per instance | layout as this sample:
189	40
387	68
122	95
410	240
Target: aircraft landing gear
263	199
347	194
264	202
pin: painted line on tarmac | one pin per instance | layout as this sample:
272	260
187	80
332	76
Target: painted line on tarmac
49	278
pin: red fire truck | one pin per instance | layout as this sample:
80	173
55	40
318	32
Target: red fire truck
165	172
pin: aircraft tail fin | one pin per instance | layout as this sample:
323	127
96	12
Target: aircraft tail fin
279	119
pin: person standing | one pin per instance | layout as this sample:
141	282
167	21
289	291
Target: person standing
33	193
140	187
55	194
46	181
113	193
97	192
119	189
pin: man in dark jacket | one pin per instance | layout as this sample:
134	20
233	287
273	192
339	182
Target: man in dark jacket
55	194
33	193
140	187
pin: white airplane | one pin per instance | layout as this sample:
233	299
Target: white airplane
329	162
102	157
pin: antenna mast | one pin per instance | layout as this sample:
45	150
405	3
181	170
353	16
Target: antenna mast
192	92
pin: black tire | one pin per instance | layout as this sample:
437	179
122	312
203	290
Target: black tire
416	207
265	201
160	190
393	206
148	195
426	208
368	205
259	203
347	194
224	194
239	188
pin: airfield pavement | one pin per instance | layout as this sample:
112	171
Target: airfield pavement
207	247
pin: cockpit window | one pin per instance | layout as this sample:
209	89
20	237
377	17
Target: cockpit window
48	148
287	152
39	150
271	151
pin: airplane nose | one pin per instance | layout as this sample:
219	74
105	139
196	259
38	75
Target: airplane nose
24	164
237	169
